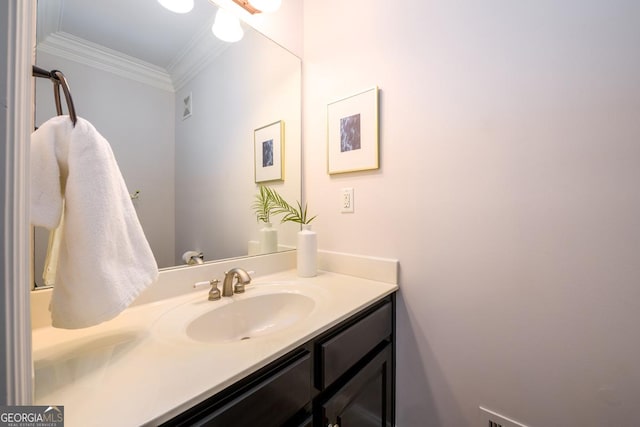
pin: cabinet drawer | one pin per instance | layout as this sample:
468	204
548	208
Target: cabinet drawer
342	351
271	402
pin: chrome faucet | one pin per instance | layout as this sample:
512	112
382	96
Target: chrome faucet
193	258
228	288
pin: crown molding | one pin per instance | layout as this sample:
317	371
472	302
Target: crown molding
49	17
201	51
94	55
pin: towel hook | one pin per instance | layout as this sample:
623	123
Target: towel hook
58	79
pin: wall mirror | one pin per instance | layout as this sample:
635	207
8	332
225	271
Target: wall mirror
180	109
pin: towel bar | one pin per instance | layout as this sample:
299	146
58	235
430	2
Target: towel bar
58	80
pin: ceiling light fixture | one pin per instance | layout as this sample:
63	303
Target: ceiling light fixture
247	6
177	6
227	27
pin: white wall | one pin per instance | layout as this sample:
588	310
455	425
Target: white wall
138	121
215	146
508	189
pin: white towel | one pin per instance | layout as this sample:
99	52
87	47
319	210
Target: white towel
105	260
53	250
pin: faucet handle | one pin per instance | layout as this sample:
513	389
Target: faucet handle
214	293
238	287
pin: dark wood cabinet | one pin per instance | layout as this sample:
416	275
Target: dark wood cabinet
275	396
345	377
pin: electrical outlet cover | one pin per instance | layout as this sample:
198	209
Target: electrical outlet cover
346	200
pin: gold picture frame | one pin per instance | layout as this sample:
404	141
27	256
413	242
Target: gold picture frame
268	146
352	133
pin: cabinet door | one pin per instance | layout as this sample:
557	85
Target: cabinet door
366	399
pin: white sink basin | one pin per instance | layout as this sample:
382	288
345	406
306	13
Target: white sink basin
261	311
250	317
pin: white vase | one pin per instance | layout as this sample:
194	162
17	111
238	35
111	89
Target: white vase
268	239
307	252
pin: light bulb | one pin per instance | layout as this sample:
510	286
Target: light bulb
266	6
177	6
227	27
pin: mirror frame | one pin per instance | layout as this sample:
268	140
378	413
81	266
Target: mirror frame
16	329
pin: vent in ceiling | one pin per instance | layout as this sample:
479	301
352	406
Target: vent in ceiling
187	106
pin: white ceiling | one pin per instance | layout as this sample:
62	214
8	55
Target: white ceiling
140	28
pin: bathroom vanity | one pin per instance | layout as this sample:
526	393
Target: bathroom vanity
345	377
287	352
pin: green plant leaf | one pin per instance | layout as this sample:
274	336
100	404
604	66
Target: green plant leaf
279	206
263	204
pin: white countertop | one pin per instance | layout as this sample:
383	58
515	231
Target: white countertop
141	367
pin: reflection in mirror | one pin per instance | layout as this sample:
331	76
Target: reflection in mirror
179	108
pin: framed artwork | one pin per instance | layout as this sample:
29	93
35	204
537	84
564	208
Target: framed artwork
268	152
352	133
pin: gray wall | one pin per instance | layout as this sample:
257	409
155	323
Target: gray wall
508	189
250	85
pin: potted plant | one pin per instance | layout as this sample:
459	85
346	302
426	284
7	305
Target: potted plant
307	247
264	206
